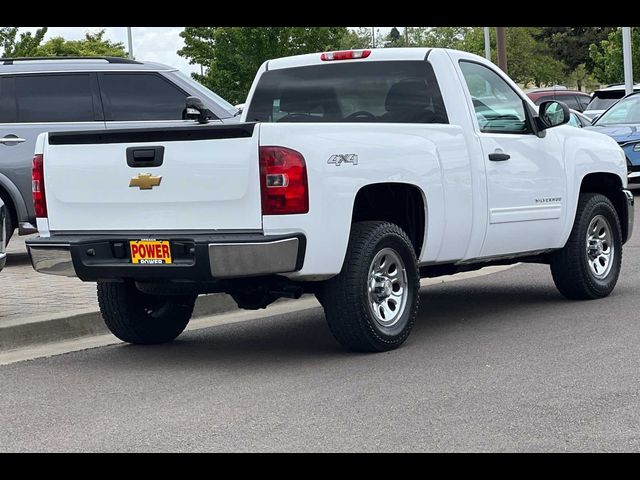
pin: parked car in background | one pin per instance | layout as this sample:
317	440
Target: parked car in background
604	98
79	93
622	123
577	119
3	235
572	98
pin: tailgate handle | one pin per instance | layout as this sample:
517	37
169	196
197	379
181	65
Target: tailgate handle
138	157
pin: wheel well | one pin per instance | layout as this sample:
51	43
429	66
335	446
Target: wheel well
609	185
8	201
398	203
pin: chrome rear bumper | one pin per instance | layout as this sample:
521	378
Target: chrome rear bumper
53	259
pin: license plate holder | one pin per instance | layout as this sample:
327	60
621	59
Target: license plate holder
150	252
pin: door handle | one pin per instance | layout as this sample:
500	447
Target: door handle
6	140
499	157
139	157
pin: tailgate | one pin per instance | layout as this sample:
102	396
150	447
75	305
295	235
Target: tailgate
193	178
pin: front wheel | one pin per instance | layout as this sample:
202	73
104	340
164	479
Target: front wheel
589	264
140	318
372	304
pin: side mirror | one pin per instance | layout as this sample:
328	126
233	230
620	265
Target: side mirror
195	110
551	114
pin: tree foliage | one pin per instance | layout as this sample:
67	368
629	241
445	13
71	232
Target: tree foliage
232	55
607	57
24	45
570	45
93	44
29	44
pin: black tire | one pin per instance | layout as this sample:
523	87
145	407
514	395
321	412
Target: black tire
140	318
570	267
345	297
10	227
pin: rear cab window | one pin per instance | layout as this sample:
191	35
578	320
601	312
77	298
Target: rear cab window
383	91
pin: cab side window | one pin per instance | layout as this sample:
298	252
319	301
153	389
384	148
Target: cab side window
498	108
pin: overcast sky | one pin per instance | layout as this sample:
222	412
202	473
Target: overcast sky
153	44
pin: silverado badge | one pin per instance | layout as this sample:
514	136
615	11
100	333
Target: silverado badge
145	181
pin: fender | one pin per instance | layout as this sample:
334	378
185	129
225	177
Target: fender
16	198
587	155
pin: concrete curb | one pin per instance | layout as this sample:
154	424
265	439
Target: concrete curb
45	328
84	324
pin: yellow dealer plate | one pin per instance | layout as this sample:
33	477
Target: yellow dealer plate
150	252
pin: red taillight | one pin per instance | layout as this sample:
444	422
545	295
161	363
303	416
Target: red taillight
283	181
37	186
345	55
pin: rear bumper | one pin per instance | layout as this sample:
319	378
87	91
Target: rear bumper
197	258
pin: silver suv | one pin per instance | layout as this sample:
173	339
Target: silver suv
84	93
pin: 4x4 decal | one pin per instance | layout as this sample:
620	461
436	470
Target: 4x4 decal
338	159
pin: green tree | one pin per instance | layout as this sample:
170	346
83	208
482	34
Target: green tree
359	38
570	45
93	44
528	60
25	45
232	55
393	38
607	57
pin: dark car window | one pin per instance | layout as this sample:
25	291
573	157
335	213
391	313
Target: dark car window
7	101
390	91
141	96
584	101
602	100
570	101
54	98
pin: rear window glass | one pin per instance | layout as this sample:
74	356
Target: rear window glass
390	91
603	100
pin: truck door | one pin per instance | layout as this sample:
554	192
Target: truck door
526	186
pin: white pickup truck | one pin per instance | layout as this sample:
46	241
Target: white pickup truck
351	175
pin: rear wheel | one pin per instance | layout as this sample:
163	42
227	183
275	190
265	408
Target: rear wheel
9	227
372	304
140	318
589	264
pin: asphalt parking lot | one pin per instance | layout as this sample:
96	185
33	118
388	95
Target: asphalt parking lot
495	363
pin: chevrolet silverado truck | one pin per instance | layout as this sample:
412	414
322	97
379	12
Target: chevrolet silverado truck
351	175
